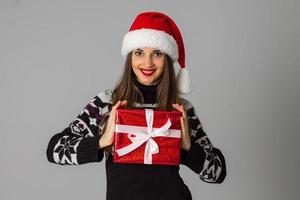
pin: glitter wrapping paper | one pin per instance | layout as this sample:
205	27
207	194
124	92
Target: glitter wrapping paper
147	136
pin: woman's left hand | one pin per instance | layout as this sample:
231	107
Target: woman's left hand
185	135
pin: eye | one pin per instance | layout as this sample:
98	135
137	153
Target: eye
158	54
138	53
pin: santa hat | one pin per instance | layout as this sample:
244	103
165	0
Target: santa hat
157	30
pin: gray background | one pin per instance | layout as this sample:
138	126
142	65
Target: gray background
243	57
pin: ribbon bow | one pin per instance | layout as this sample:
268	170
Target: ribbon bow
143	135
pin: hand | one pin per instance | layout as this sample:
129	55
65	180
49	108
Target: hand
185	134
108	136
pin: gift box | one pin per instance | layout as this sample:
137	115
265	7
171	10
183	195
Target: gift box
147	136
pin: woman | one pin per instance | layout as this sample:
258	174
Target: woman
151	47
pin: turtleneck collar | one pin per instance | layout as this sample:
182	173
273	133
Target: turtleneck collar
148	91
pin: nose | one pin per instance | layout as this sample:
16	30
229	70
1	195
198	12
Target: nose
148	62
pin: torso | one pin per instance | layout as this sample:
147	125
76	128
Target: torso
140	181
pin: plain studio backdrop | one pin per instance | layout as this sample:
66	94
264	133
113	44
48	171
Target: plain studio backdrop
243	58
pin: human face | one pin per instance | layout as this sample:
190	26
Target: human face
147	64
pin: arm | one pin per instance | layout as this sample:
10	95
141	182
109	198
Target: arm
202	157
79	142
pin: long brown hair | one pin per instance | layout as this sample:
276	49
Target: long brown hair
125	89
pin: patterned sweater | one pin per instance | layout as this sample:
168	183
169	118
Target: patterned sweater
78	144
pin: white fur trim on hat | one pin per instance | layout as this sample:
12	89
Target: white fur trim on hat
184	81
149	38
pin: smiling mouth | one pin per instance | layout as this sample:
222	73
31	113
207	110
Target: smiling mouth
148	72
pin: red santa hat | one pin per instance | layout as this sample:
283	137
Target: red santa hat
157	30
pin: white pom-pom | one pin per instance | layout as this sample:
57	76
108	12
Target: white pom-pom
184	81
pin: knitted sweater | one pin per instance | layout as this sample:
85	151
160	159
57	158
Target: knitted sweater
78	144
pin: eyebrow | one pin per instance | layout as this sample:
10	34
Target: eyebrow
156	50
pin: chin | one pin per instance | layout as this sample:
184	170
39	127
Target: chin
146	82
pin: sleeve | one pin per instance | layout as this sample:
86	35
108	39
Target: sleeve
78	143
203	158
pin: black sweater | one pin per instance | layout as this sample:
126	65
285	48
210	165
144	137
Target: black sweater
78	144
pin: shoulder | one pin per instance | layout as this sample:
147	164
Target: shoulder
100	102
187	105
105	96
190	111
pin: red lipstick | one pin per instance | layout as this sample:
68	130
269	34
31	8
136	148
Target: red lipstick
147	72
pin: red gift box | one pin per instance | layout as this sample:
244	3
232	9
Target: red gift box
147	136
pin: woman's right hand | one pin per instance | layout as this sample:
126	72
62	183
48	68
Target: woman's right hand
108	136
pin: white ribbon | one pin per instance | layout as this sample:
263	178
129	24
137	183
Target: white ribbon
145	134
